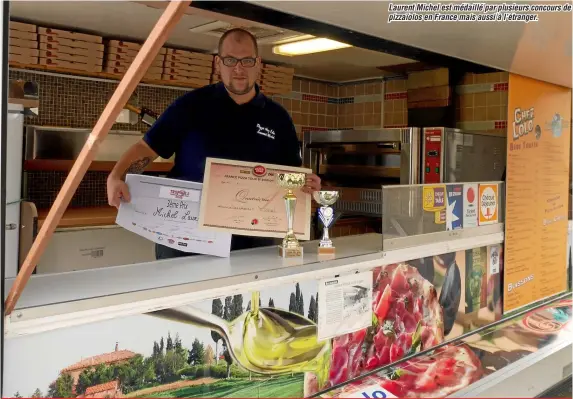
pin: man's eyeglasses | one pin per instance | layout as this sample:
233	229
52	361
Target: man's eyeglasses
248	62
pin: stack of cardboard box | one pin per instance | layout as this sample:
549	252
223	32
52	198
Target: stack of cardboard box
23	43
429	89
216	76
120	55
70	50
188	66
276	80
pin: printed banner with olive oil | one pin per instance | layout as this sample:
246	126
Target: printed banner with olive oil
537	187
265	343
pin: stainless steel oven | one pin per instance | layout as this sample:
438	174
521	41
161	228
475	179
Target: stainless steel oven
358	162
454	155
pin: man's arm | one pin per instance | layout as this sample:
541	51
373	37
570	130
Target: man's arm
160	140
134	160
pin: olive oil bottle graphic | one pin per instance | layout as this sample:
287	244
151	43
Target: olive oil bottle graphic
476	260
264	340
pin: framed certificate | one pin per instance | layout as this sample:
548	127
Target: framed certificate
244	198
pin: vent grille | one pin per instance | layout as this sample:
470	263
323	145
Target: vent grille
371	195
363	208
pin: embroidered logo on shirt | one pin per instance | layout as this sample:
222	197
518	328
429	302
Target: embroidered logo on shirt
265	131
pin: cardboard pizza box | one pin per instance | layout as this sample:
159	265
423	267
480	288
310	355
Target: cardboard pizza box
115	71
78	66
430	78
71	50
275	78
279	69
71	42
71	57
187	74
66	34
23	59
190	61
272	85
429	94
128	60
122	44
28	52
23	43
21	26
278	80
123	69
152	76
198	82
18	34
283	90
270	72
126	64
124	51
188	67
275	84
190	54
114	45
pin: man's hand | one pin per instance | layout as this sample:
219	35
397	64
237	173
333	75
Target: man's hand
117	191
133	161
312	184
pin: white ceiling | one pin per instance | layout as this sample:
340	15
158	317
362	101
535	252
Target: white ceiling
541	50
134	20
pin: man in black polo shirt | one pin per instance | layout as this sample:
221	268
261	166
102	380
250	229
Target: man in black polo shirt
231	120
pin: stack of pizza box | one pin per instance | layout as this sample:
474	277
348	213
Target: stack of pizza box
70	50
276	79
216	76
23	43
188	66
120	55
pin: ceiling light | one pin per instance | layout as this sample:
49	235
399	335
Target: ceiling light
315	45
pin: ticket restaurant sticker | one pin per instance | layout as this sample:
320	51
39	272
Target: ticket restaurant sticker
470	206
488	204
434	198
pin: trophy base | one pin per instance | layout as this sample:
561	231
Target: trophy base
326	250
290	252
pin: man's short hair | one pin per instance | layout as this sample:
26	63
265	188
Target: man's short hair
241	33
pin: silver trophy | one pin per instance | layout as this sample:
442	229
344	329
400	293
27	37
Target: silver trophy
326	216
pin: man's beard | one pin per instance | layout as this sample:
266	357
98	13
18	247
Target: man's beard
237	91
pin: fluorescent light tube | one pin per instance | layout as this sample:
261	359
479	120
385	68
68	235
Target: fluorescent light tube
310	46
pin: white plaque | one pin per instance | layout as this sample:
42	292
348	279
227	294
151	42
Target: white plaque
344	304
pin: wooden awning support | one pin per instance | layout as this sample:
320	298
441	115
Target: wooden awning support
123	92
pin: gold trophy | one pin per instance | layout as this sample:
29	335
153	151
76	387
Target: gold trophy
290	247
326	216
